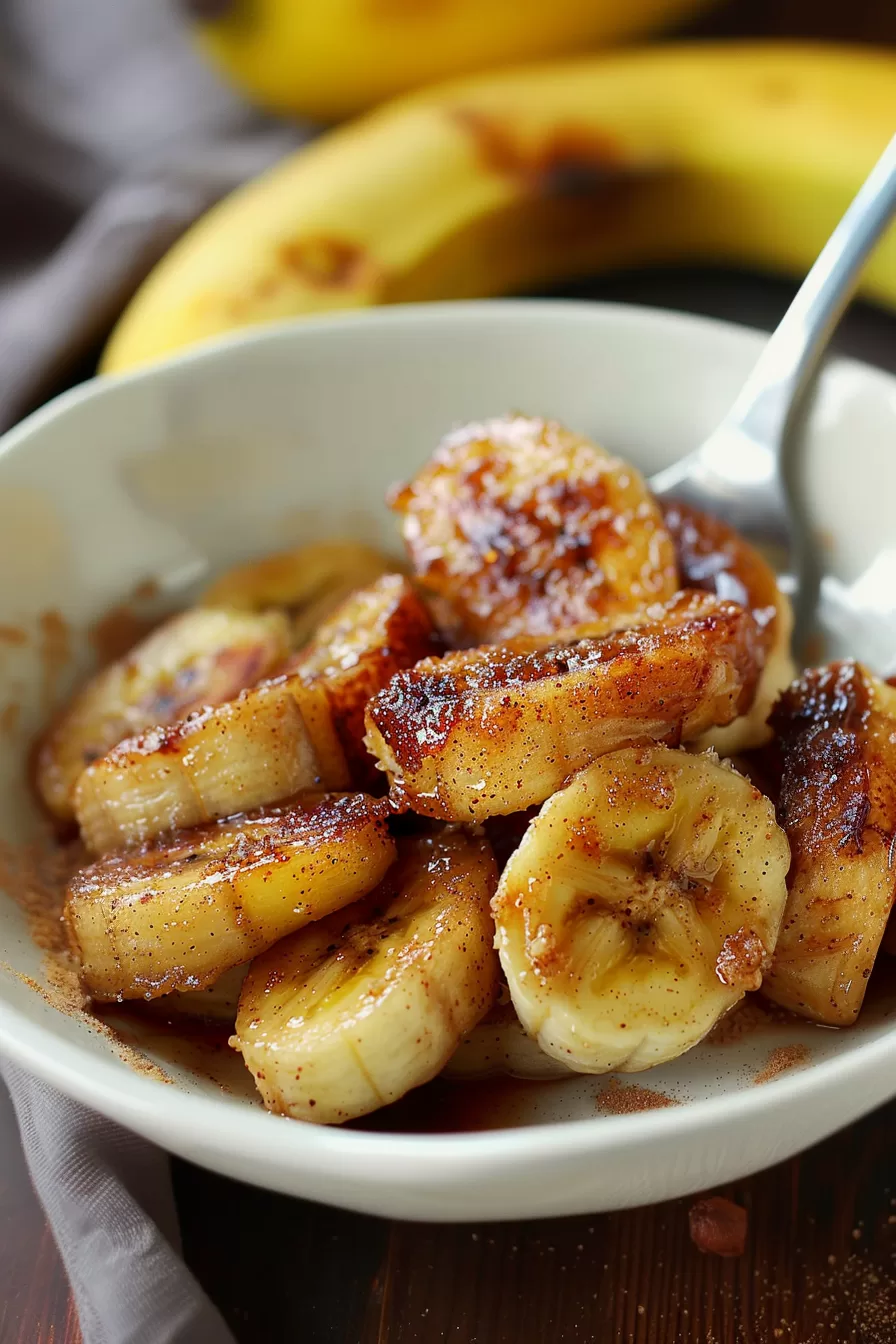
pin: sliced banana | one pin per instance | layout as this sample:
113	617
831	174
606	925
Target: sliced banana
494	730
643	902
176	916
499	1045
712	556
355	1011
198	658
303	730
836	732
273	741
370	636
309	581
527	528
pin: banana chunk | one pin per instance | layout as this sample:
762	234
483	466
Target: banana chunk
353	1012
373	634
273	741
495	730
643	902
303	730
177	916
309	581
712	556
527	528
836	731
198	658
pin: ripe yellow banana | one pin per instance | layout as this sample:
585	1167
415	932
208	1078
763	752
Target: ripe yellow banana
175	916
355	1011
836	727
329	58
744	152
197	658
644	901
490	731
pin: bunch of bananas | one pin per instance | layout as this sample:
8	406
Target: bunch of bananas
556	688
744	153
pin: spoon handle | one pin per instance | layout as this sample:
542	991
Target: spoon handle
787	363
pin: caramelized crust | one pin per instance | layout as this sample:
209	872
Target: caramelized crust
494	730
821	723
527	528
197	658
713	557
174	916
836	735
375	633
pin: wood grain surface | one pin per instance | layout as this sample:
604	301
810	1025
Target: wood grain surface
820	1262
819	1267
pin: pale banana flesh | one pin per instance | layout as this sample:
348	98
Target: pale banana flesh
196	658
836	729
644	901
357	1010
176	916
746	153
492	731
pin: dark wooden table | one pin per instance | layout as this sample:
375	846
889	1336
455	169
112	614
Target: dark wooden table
820	1262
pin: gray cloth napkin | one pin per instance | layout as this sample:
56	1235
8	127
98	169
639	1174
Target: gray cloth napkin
113	137
108	1197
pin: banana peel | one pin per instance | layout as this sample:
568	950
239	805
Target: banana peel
735	153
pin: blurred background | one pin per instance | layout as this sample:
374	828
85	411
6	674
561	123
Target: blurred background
673	147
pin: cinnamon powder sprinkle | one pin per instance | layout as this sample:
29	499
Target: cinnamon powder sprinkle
752	1014
35	877
781	1059
630	1099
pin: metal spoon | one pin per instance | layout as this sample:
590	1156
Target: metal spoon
736	473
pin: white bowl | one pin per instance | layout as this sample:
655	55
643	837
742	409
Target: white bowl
294	432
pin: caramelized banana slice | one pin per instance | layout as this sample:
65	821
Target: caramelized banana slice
372	635
198	658
712	556
309	582
300	731
527	528
273	741
495	730
176	916
836	731
643	902
353	1012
